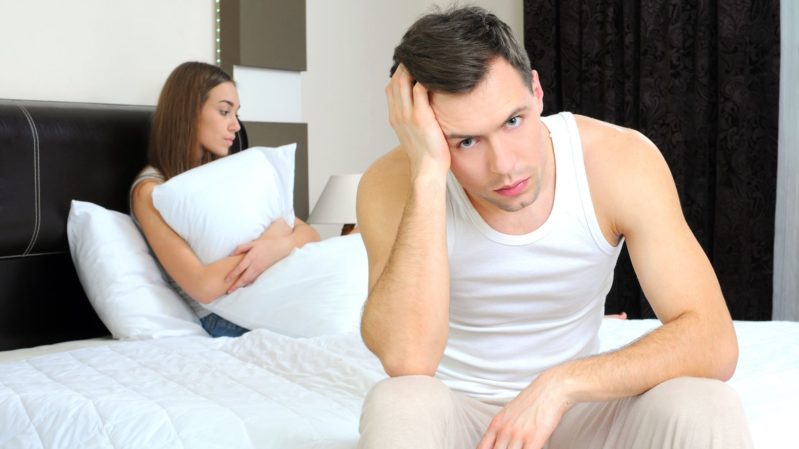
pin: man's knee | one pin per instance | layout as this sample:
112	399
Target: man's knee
408	392
698	412
407	411
691	398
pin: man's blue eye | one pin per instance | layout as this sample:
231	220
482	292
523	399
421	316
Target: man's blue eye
467	143
514	121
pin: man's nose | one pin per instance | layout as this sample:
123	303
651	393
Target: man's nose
501	158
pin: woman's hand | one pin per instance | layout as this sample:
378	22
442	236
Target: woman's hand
260	254
415	124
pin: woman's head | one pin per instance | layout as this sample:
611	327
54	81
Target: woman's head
195	119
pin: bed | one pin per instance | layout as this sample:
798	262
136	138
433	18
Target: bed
64	382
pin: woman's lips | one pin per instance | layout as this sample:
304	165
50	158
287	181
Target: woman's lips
513	189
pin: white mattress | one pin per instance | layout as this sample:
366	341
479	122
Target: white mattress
264	390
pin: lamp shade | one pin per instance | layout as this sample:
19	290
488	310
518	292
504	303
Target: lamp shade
336	204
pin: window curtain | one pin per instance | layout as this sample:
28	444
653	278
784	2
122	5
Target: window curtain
786	240
701	80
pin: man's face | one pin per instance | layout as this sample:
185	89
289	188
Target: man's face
498	145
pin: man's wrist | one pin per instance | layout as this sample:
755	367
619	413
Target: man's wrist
428	176
561	381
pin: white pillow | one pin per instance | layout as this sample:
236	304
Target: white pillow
121	279
318	289
217	206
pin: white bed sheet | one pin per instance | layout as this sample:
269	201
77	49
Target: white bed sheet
766	379
27	353
264	390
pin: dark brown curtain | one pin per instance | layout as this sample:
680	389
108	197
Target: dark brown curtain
701	80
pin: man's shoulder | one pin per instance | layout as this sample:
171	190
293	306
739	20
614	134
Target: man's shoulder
385	183
623	167
614	147
388	173
382	193
393	162
602	134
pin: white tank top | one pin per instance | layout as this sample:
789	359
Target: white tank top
522	303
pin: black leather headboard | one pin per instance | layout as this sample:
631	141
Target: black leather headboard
50	154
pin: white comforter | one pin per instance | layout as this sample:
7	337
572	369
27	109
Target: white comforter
264	390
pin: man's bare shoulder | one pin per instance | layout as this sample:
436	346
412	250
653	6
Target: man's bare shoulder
602	137
382	194
383	191
615	149
388	176
395	162
623	168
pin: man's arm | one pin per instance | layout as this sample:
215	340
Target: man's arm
635	197
401	213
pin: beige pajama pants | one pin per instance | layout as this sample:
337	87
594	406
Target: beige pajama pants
420	412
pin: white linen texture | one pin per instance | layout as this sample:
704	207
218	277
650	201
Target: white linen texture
219	205
266	390
121	279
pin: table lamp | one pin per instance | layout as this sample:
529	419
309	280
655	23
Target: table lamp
336	204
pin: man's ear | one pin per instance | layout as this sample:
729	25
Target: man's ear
538	91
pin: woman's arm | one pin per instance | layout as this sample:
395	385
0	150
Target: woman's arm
277	242
203	283
303	233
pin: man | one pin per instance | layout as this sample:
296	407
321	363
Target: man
492	233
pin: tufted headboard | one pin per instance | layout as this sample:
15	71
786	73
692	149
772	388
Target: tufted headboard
50	154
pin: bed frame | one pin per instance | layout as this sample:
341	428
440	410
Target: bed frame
50	154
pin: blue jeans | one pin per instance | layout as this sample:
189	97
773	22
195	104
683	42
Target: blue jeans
217	326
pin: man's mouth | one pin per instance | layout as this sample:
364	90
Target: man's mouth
513	189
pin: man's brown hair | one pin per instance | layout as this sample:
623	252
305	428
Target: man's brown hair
450	51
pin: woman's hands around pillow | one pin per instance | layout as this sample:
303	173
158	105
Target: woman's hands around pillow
272	245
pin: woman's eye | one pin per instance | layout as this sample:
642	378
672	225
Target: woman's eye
467	143
514	121
224	113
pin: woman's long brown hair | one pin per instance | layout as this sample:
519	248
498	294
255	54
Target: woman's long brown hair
173	134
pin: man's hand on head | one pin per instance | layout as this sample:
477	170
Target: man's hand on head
415	124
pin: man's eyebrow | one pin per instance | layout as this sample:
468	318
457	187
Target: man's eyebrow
515	112
458	136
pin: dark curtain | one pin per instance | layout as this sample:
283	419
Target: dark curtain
701	80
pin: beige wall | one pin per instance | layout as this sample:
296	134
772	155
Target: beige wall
99	51
121	51
350	44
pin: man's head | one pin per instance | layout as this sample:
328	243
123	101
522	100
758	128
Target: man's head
451	51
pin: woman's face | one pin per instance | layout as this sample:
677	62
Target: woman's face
218	124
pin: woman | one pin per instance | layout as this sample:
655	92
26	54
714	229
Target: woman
194	123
